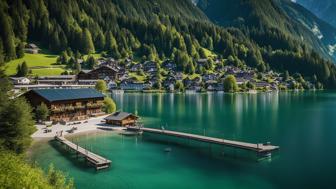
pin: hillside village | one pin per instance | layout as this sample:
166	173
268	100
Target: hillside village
154	76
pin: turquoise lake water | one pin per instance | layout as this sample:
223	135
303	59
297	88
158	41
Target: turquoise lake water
303	124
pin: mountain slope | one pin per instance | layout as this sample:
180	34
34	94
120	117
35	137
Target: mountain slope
322	30
263	19
324	9
263	36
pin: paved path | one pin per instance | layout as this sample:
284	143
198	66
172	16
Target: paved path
92	124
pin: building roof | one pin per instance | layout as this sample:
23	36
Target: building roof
18	78
85	71
68	94
118	116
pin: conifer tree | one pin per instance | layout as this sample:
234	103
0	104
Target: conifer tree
20	50
87	44
100	41
111	45
2	58
7	36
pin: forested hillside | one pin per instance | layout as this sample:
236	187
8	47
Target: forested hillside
286	42
323	31
262	38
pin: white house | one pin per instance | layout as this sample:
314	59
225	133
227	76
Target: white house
20	80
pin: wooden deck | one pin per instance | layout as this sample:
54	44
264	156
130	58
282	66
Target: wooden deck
97	161
259	148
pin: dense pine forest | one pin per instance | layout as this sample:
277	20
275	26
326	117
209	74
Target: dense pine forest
155	30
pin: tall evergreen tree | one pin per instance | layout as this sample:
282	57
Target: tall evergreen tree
7	36
2	57
100	41
87	44
111	45
20	50
22	69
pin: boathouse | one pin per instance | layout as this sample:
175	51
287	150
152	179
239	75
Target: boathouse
121	119
68	104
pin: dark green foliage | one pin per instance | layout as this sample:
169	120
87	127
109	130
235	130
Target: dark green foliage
63	58
90	63
17	173
16	122
100	41
263	36
20	50
2	58
22	70
286	76
109	105
101	86
42	112
111	45
7	36
87	44
179	86
230	84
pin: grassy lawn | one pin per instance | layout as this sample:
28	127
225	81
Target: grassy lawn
40	64
47	71
209	53
138	77
193	76
95	55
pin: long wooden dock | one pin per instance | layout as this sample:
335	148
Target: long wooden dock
259	148
97	161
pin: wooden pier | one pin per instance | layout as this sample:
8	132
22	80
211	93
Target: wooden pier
259	148
97	161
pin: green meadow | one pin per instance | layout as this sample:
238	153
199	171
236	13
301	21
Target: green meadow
39	64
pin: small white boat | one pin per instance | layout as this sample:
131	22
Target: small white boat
168	149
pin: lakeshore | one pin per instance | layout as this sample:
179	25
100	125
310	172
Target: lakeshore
141	161
92	125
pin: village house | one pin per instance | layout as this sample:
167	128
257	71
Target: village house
262	84
209	77
231	70
187	82
202	62
169	82
150	67
179	76
211	85
31	48
240	80
133	85
112	85
68	104
101	61
169	65
20	80
123	119
136	67
247	75
124	77
192	84
99	73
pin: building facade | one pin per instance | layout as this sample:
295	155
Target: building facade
99	73
68	104
121	119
